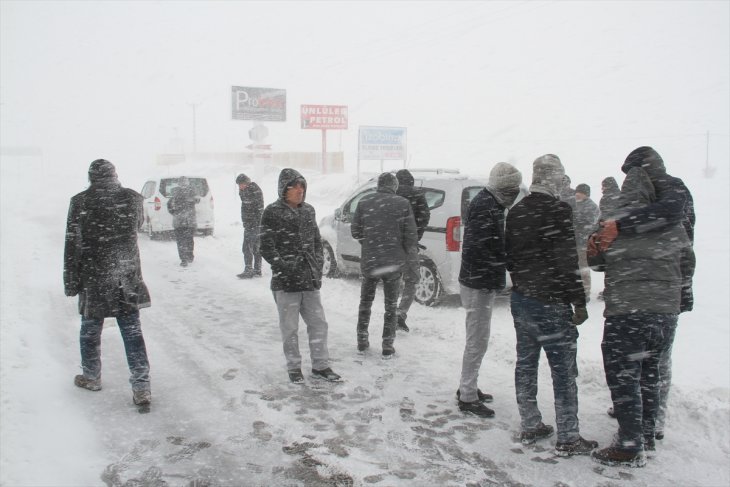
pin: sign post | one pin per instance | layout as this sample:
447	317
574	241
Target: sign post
324	117
260	105
381	143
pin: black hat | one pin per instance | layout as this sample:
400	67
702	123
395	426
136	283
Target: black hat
387	180
242	179
583	188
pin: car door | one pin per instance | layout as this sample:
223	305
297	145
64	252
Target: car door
348	249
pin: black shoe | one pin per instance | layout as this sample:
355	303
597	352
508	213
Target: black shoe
481	397
614	456
581	446
542	431
84	383
476	408
327	374
402	325
388	351
183	263
247	274
257	273
295	375
649	443
362	346
611	412
242	275
659	435
141	398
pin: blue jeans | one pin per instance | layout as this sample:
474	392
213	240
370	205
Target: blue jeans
546	326
632	347
391	283
131	330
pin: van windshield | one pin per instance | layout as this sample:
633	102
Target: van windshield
200	185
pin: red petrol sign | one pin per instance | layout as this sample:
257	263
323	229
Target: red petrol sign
324	117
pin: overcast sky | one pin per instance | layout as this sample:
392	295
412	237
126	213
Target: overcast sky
473	82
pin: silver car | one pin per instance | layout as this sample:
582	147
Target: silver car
156	193
448	194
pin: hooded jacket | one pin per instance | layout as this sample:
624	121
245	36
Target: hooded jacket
419	205
643	268
101	257
252	205
290	240
609	202
383	223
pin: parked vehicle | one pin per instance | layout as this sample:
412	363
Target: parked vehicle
448	194
156	193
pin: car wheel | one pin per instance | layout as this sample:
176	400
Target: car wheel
329	266
428	287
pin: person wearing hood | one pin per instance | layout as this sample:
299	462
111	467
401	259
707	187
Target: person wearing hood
102	266
547	304
643	295
610	194
291	244
252	206
482	275
567	193
383	223
668	204
181	206
422	214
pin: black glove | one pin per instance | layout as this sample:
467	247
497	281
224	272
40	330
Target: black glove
580	315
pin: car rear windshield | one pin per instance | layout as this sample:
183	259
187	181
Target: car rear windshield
200	185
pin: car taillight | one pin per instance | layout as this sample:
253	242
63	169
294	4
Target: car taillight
453	234
158	204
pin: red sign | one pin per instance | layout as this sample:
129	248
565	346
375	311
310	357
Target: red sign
324	117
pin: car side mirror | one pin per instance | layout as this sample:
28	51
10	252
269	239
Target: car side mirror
338	214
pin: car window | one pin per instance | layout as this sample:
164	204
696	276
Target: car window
149	189
434	197
467	195
200	185
349	209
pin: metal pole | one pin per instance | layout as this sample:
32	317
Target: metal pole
324	151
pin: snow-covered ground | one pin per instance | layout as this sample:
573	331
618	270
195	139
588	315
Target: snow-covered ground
225	414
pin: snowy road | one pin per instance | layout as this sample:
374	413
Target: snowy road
225	414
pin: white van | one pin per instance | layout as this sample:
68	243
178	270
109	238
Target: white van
448	194
156	193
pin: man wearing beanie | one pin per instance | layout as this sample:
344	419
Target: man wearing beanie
383	223
102	266
422	214
252	206
482	275
547	304
585	219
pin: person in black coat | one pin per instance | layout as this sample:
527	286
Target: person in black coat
252	206
610	195
547	303
482	275
181	206
102	266
292	245
422	215
383	223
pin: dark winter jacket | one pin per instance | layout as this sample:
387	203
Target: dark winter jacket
673	204
541	251
181	206
610	198
101	257
290	241
252	205
419	205
384	225
643	269
585	218
483	256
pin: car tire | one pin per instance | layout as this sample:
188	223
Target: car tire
428	287
329	265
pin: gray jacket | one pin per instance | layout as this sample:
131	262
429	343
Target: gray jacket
643	272
385	226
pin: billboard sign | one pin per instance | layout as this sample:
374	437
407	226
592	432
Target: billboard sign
383	143
260	104
324	117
